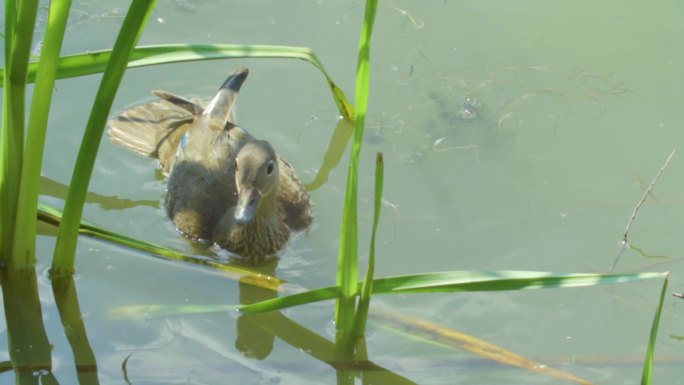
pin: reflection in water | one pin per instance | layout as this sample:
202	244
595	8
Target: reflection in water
253	341
338	142
256	334
320	348
66	299
58	190
29	347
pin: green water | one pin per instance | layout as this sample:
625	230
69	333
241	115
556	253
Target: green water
578	108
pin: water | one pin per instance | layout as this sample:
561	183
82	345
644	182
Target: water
576	112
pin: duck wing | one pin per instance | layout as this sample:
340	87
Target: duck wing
155	129
190	106
293	198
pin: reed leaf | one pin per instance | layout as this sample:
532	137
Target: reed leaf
20	18
647	372
458	281
65	249
367	286
25	225
347	256
287	301
95	62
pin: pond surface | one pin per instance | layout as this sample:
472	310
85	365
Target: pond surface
517	135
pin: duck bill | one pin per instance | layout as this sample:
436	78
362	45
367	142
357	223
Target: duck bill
219	111
248	201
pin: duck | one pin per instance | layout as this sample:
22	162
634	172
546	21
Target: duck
223	185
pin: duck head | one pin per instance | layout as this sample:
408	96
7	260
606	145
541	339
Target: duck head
256	176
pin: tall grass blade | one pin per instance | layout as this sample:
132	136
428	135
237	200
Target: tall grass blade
133	25
19	23
8	145
347	257
468	281
10	22
449	282
459	281
94	62
367	287
647	373
25	225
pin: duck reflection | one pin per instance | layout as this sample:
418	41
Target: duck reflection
251	339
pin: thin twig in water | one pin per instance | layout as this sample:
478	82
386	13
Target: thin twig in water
124	369
416	25
625	240
464	147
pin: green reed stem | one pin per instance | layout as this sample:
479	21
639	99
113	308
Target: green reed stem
26	220
367	287
133	25
647	372
347	257
20	18
456	282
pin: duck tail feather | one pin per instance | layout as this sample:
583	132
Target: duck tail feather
219	111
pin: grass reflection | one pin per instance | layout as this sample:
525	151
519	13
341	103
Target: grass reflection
50	187
66	299
29	348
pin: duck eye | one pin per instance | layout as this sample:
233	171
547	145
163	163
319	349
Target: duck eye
269	168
